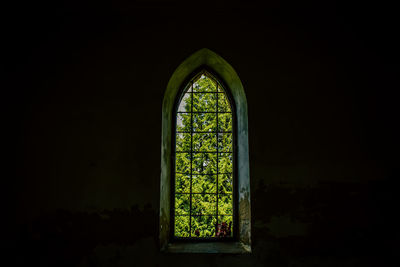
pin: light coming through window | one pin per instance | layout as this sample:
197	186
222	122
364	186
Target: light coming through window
204	162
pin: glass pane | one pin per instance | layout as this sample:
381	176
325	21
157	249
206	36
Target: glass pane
182	226
203	226
204	163
183	122
205	142
204	102
225	205
204	184
183	142
223	103
186	103
182	183
225	142
225	226
225	163
225	122
220	88
204	204
204	122
182	163
225	183
204	84
182	204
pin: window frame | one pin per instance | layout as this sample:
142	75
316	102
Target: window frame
192	77
217	66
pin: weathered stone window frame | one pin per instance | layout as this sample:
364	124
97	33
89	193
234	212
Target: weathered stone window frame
224	70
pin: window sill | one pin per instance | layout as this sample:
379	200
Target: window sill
208	247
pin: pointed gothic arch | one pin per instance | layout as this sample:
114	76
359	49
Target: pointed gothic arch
206	59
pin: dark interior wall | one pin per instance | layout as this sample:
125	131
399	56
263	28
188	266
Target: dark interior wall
85	83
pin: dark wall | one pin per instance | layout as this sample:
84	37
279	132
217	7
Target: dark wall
85	83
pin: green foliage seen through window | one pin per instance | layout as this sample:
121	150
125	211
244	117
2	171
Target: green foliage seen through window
204	161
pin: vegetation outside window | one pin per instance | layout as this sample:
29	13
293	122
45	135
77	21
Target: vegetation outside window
205	181
204	162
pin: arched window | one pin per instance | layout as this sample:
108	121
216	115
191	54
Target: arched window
205	186
204	174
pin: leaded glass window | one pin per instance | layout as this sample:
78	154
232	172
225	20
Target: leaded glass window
204	161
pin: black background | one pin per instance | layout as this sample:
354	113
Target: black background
82	97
